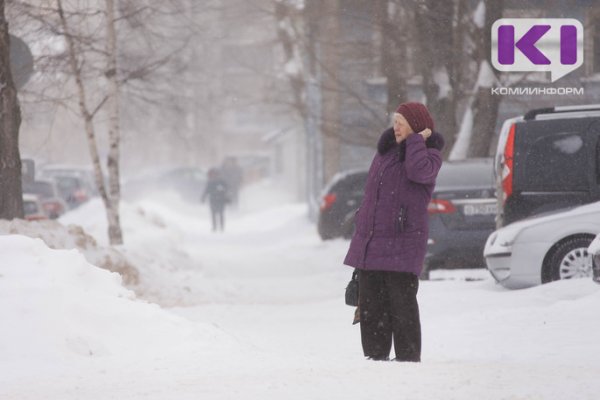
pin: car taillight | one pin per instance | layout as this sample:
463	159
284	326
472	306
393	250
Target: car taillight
328	201
35	217
438	206
507	170
51	206
81	196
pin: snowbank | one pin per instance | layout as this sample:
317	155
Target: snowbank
58	236
58	311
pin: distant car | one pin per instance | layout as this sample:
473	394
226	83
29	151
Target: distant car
544	248
33	208
188	182
594	251
547	160
339	202
47	192
84	174
462	215
72	190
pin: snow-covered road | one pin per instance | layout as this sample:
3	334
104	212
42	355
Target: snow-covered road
258	313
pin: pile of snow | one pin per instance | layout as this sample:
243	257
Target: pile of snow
60	312
182	263
58	236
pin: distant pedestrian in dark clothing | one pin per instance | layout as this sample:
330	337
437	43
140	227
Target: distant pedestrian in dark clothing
389	243
233	176
218	195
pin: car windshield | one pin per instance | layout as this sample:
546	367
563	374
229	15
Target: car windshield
349	183
465	174
67	184
30	207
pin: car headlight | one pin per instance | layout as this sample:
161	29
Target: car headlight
493	238
506	238
507	242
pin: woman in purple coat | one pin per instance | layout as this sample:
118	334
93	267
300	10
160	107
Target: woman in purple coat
390	240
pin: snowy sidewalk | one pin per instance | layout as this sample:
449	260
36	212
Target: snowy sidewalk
257	313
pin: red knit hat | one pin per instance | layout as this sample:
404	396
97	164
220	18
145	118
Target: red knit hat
417	116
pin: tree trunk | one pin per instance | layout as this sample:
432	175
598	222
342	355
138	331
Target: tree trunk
115	233
111	215
393	54
485	107
11	197
284	18
437	50
330	90
485	114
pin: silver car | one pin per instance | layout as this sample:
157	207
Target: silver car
543	249
594	250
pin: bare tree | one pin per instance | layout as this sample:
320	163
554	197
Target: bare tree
393	22
451	47
438	60
485	107
11	200
91	57
481	110
111	204
114	133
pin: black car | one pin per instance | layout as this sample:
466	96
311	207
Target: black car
341	198
462	215
461	212
547	160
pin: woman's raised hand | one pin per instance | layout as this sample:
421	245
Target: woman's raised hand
425	133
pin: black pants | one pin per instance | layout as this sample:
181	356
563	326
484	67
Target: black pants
218	216
389	309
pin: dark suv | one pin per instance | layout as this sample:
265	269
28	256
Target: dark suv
340	200
547	160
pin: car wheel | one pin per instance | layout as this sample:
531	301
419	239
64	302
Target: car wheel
323	230
428	266
348	225
569	260
348	230
425	273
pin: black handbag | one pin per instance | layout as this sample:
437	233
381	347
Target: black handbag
352	290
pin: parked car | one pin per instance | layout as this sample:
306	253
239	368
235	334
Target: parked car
544	248
47	192
72	190
594	251
84	174
461	212
547	160
462	215
339	202
33	208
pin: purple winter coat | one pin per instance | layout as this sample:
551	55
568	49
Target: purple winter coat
392	223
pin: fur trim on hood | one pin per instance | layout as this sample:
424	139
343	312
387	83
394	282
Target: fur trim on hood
387	141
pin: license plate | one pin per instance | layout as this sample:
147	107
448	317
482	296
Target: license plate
480	209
